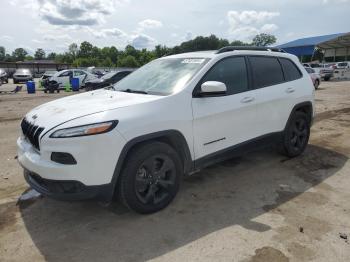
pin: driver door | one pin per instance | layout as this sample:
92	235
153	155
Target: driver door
220	122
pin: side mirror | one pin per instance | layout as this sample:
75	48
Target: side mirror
213	88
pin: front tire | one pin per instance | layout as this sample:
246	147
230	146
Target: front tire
150	178
296	135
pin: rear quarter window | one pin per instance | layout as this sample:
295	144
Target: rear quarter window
291	71
267	71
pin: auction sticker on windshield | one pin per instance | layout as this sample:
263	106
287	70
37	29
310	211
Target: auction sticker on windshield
193	61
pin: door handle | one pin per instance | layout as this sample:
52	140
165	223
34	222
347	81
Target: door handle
290	90
247	99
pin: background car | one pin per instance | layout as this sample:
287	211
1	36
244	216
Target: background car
343	65
323	70
48	74
3	76
22	75
106	80
315	77
63	77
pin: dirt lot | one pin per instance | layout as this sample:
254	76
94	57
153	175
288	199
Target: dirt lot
260	207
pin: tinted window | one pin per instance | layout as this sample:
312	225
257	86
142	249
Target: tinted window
291	72
231	71
67	73
310	70
267	71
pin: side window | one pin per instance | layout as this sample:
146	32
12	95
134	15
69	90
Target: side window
267	71
78	73
291	72
64	74
231	71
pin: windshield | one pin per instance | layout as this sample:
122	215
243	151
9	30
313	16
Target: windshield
342	64
108	75
23	71
162	76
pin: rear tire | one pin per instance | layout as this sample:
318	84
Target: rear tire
317	84
296	135
150	178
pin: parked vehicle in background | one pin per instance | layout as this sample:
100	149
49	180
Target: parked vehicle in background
62	78
48	74
170	118
3	76
343	65
323	70
106	80
22	75
315	77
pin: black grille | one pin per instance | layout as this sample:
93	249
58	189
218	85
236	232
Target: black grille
32	132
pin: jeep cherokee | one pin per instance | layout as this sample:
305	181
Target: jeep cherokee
170	118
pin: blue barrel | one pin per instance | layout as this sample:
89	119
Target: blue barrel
75	84
30	87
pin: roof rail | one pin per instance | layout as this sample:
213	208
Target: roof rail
251	48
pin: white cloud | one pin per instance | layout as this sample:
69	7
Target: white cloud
268	28
76	12
150	23
246	24
51	38
108	32
335	1
140	41
6	38
188	36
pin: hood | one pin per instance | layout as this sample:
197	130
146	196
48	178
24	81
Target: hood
95	81
62	110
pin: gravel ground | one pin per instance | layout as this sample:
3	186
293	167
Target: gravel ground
260	207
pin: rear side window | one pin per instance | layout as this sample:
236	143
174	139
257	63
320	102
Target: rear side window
231	71
291	72
267	71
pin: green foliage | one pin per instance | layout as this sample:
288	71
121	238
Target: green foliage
19	54
2	53
264	40
39	54
128	61
28	58
87	54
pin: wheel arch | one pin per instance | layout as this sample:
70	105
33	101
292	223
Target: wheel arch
174	138
305	107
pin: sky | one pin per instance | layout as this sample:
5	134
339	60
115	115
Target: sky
54	24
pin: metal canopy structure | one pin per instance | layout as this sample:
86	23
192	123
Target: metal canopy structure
334	46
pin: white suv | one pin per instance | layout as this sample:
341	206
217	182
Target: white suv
169	118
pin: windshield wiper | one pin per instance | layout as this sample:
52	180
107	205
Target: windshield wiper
134	91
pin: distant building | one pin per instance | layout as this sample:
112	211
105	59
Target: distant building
335	47
36	66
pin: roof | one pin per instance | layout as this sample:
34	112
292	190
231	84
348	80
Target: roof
312	41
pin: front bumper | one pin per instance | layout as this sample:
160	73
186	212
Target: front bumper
67	190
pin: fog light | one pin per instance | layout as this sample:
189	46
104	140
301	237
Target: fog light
63	158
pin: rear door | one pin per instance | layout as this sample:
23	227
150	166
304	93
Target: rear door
275	91
226	120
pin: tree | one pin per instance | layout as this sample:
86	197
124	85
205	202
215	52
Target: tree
128	61
73	50
28	58
264	40
19	54
239	43
39	54
51	56
85	49
2	53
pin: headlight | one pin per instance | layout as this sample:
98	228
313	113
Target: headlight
85	130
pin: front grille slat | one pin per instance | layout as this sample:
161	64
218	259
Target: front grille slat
31	132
